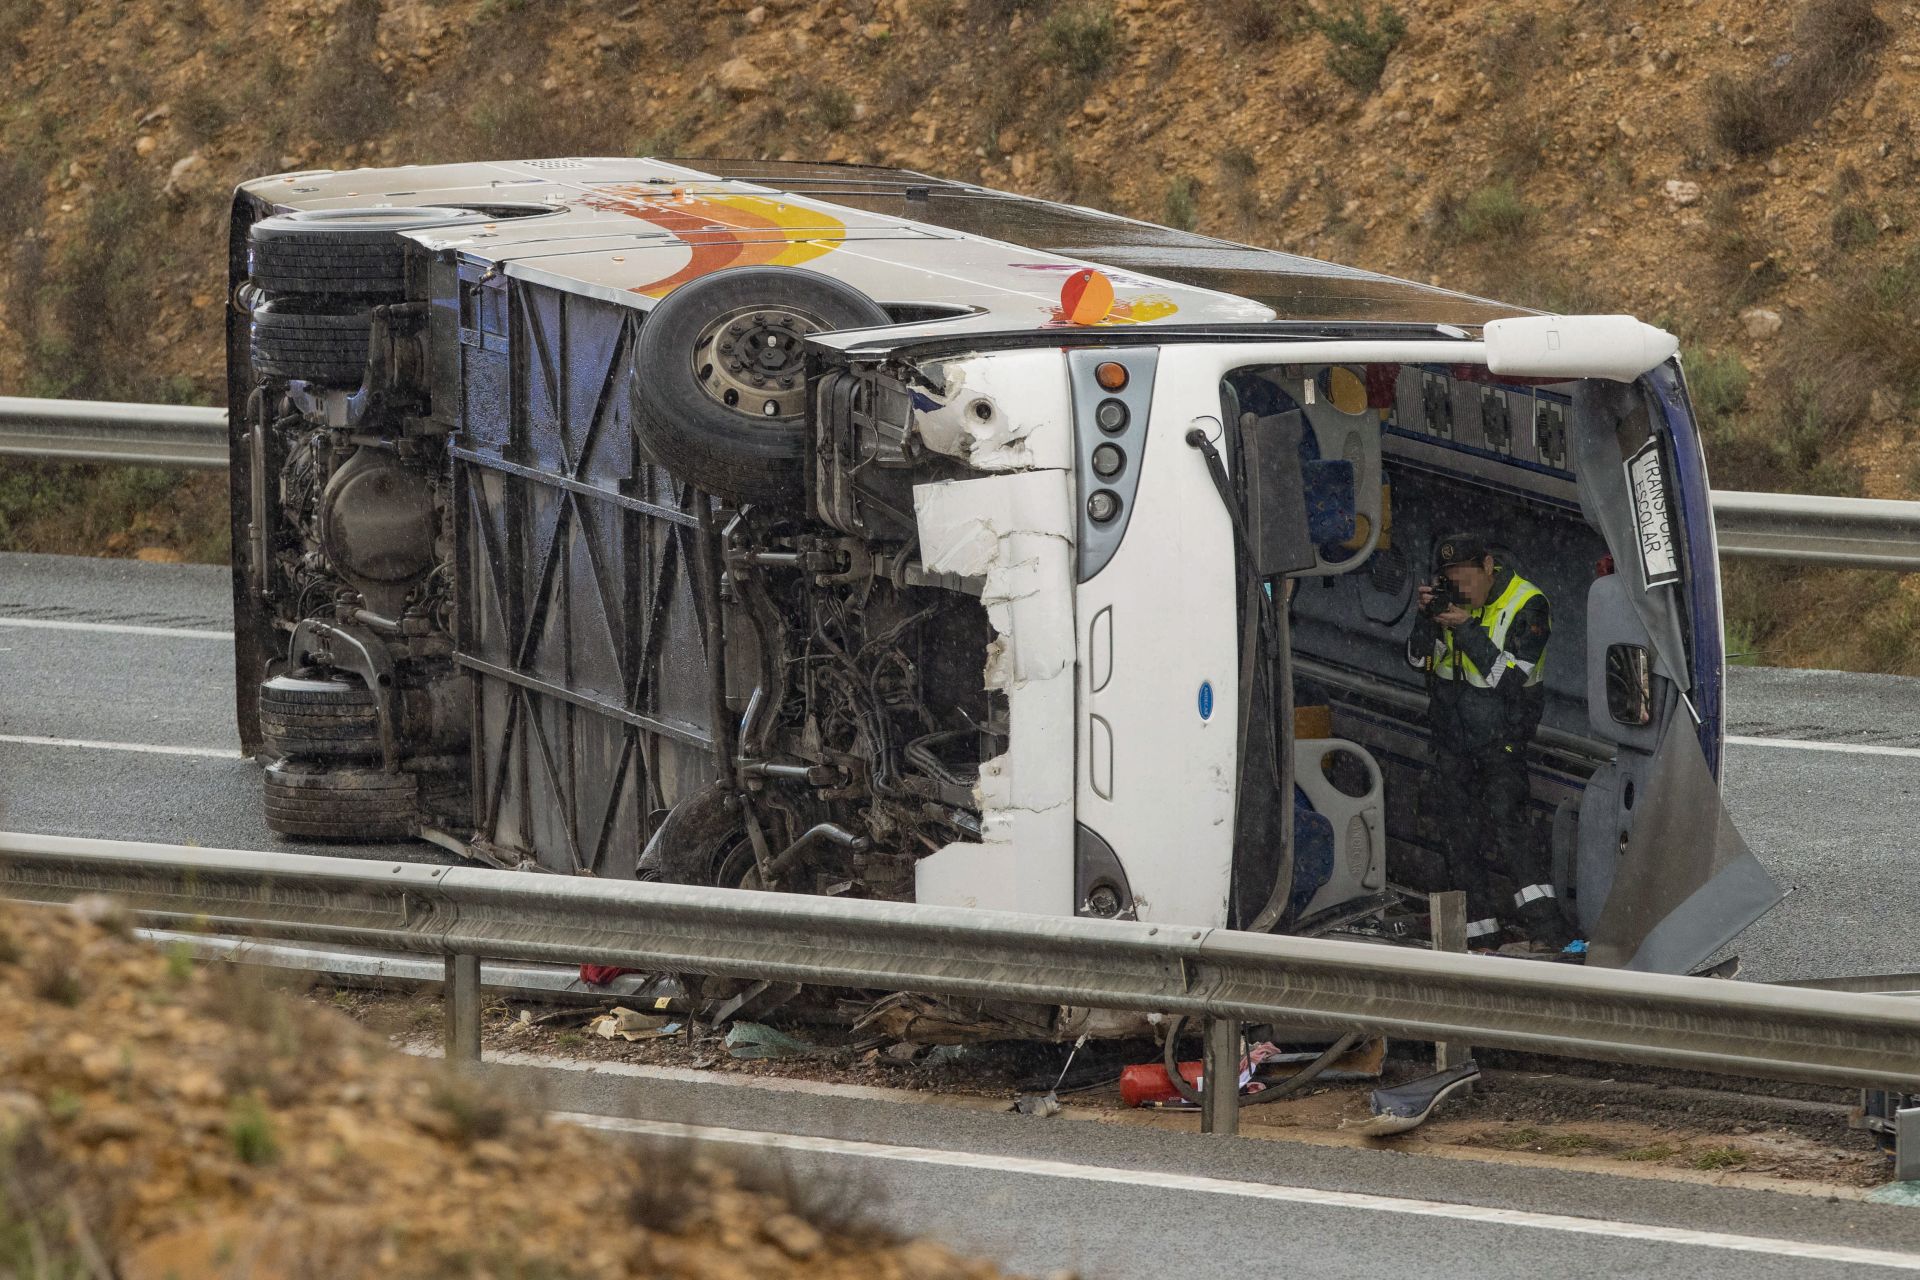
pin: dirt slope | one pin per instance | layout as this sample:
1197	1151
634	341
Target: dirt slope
1739	171
162	1120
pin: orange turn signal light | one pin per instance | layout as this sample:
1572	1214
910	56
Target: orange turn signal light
1111	375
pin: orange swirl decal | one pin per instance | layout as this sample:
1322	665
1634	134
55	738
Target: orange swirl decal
721	230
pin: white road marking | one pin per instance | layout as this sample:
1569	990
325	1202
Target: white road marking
91	744
55	624
1850	748
1160	1181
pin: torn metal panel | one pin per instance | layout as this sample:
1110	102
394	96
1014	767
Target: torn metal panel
1005	412
1013	534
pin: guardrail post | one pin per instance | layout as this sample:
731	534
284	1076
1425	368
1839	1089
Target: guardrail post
1906	1144
1220	1077
1447	916
463	1010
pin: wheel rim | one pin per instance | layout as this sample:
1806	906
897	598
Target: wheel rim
754	361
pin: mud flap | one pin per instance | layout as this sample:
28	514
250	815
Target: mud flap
1686	882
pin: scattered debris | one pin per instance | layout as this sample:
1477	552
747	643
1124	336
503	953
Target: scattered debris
631	1026
750	1040
1037	1104
599	975
1408	1106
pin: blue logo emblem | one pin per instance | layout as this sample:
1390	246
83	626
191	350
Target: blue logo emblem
1206	699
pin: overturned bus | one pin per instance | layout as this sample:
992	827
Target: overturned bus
843	530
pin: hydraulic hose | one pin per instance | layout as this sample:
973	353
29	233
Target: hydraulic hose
1273	1092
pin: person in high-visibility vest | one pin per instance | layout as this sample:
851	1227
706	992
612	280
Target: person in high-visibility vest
1483	646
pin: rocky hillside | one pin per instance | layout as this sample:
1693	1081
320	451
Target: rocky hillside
1740	172
159	1120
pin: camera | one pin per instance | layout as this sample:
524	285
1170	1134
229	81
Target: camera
1445	597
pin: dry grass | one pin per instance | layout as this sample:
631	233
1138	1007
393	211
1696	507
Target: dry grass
1833	53
1745	264
1253	21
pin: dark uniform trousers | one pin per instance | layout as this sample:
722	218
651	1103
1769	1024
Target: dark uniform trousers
1478	800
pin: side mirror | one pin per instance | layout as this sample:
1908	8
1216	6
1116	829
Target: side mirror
1629	684
1276	495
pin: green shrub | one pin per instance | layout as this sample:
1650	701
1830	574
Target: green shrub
1362	44
1180	211
1493	214
1718	382
1853	227
1083	38
250	1130
831	107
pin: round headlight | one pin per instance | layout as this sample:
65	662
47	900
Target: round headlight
1108	461
1111	415
1103	506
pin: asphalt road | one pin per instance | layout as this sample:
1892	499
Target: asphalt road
1117	1201
137	656
116	721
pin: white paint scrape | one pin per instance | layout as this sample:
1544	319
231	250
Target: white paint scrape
1013	533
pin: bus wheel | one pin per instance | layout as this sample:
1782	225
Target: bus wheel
315	802
720	382
342	253
309	715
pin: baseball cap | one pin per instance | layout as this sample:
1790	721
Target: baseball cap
1460	548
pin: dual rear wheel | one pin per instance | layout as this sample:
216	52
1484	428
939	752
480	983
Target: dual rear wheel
329	783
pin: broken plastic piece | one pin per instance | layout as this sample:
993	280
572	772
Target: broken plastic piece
599	975
625	1024
1037	1104
1407	1106
753	1040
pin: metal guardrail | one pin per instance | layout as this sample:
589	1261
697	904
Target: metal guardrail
1865	533
1221	976
1859	532
152	435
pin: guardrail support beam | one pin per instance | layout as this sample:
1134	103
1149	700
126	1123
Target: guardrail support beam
463	1010
1906	1144
1448	915
1220	1077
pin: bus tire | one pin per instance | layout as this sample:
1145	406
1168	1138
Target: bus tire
340	252
720	386
311	801
323	347
310	715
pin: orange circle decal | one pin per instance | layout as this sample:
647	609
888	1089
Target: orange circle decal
1086	297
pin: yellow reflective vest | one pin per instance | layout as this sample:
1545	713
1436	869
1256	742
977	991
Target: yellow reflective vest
1496	618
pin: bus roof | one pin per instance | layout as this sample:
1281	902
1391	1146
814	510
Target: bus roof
948	257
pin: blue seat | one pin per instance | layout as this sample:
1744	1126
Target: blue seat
1313	852
1330	502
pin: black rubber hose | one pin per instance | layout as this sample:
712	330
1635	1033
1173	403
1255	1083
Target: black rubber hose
1273	1092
